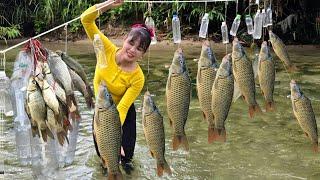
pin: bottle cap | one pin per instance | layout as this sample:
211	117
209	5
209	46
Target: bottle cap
223	23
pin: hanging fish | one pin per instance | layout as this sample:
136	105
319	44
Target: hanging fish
303	111
222	93
152	122
207	68
267	75
107	132
281	51
244	77
178	92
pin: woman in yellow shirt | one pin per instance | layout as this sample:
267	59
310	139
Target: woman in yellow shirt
123	75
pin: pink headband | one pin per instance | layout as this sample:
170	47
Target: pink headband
149	30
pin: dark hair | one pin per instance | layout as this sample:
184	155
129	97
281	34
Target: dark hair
142	33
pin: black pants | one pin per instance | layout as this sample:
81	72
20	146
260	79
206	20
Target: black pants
129	133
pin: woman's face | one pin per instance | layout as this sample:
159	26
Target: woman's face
131	50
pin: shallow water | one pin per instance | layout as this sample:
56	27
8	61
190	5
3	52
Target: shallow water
270	146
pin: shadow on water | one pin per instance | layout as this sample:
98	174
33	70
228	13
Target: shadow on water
270	146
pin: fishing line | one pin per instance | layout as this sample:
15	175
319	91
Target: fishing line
66	39
148	61
3	61
225	20
205	10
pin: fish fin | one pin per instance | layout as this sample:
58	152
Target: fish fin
170	122
90	92
117	176
204	117
293	68
61	137
305	133
254	109
169	83
270	106
160	169
236	92
89	102
44	135
177	140
75	115
315	147
67	125
199	76
49	133
210	134
219	135
152	154
34	130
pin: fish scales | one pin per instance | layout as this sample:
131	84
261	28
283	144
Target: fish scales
178	100
266	76
108	137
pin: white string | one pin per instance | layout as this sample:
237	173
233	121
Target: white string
3	61
191	1
98	9
66	42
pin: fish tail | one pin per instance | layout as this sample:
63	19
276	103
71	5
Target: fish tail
254	109
117	176
61	137
67	125
180	139
210	134
163	167
315	147
270	106
219	135
49	133
89	102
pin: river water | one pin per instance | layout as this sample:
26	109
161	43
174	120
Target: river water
270	146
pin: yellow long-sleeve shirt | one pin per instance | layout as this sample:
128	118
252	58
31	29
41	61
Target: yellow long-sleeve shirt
123	86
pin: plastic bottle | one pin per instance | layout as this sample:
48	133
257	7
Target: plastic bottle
257	28
269	16
204	26
224	33
264	18
235	25
176	29
22	130
150	24
5	93
249	24
100	51
72	136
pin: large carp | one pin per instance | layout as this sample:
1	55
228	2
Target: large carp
244	77
152	123
178	93
222	93
207	66
303	111
107	132
280	49
267	74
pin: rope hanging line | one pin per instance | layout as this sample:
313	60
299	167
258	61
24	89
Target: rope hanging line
77	18
172	1
66	41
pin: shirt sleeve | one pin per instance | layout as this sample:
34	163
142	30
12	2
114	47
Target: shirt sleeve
130	95
88	18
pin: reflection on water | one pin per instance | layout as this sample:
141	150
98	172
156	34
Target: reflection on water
270	146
